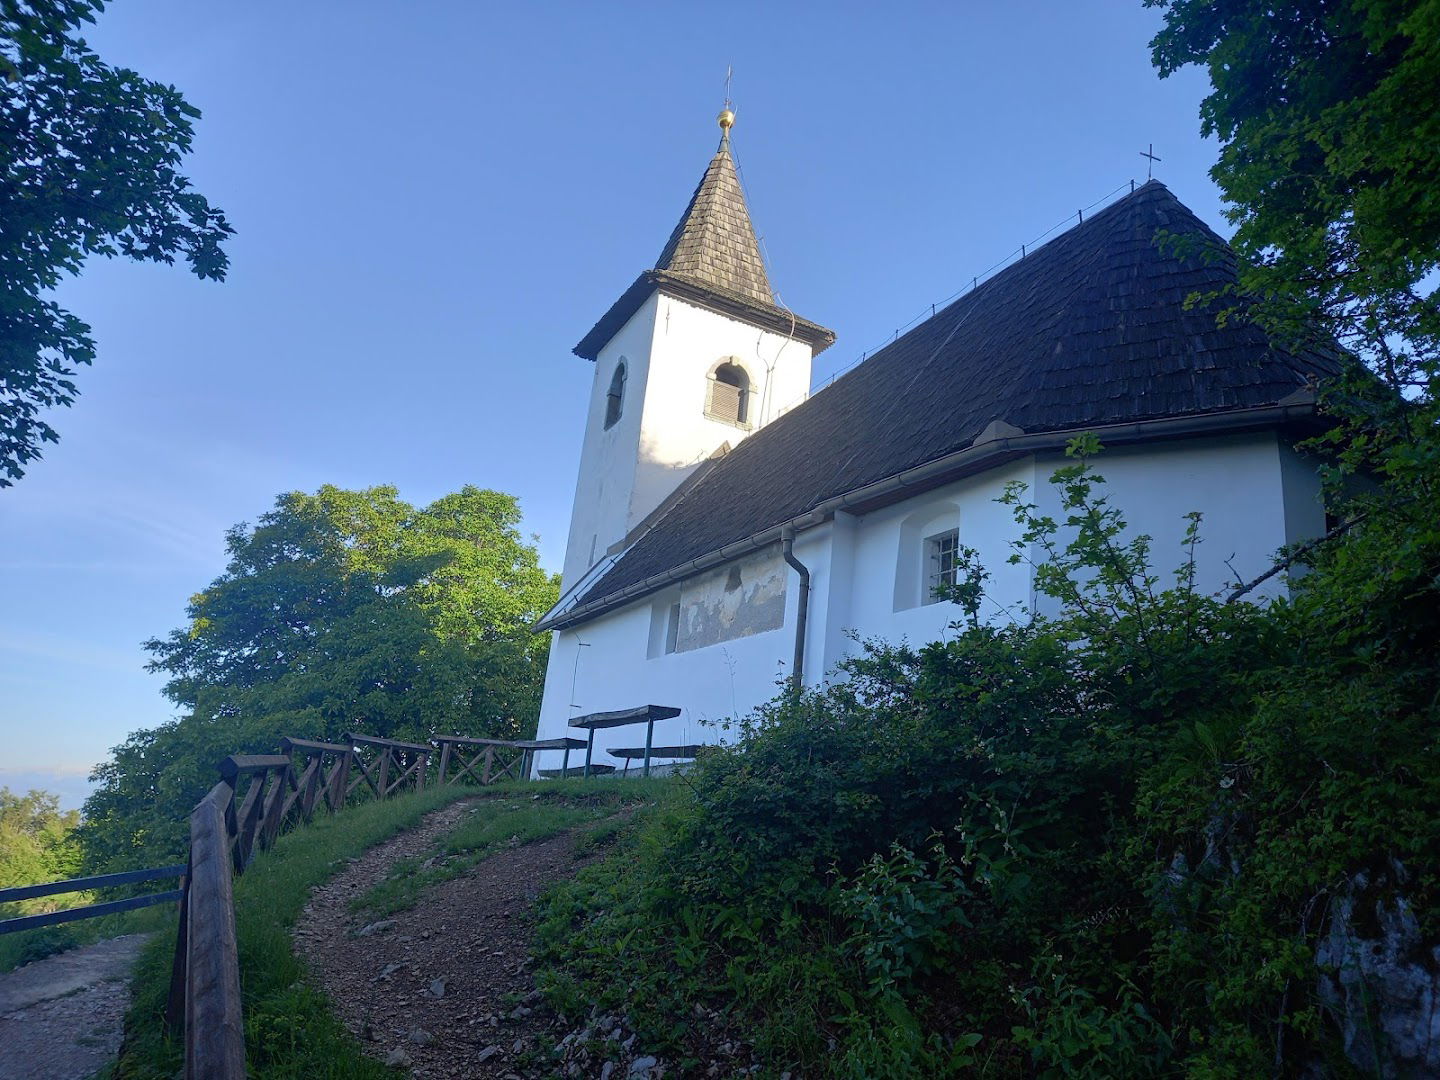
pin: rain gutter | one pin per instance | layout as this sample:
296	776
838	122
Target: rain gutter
984	453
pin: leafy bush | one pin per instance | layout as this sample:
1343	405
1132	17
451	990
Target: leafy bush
1096	844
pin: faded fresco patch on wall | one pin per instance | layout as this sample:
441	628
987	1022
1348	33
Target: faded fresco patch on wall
739	599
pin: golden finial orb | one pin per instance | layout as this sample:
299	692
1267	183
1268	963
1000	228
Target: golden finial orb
726	120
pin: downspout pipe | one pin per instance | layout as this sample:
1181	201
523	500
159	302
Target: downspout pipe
802	608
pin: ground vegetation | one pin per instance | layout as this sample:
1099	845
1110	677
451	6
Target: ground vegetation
1113	841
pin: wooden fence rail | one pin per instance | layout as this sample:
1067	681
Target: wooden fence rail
405	759
205	976
87	884
228	828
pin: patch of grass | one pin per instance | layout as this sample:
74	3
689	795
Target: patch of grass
602	835
508	815
290	1032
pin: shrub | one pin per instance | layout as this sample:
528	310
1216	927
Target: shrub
1102	843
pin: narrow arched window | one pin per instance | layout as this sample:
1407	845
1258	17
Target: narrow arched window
729	398
615	396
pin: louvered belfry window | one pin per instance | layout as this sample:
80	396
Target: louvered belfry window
729	395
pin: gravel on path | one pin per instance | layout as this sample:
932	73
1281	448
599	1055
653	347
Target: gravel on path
62	1018
444	989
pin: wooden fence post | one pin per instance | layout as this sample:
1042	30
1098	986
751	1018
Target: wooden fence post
214	1030
312	789
341	781
175	1003
274	801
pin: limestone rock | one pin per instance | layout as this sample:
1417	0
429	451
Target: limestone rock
398	1059
1384	990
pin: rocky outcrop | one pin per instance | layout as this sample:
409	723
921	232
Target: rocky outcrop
1380	981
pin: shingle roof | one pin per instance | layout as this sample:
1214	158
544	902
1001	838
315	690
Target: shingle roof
711	259
714	243
1090	329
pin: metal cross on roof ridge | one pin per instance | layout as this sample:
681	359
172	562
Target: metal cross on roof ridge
1149	165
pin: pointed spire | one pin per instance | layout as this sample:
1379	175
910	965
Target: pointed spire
714	244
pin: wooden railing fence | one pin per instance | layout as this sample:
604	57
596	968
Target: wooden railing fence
87	884
259	796
406	760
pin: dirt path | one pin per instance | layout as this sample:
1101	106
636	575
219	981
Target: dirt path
62	1018
443	989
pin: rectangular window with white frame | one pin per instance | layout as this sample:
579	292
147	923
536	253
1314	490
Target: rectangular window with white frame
942	564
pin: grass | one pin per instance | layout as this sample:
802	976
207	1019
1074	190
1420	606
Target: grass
602	835
290	1032
511	815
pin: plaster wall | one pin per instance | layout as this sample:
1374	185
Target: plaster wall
607	458
744	597
669	349
867	572
1304	508
889	595
676	436
1236	482
605	664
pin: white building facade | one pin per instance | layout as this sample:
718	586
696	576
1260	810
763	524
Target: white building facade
702	455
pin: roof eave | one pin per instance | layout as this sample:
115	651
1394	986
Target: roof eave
775	319
981	455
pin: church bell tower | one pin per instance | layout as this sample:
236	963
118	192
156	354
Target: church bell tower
692	358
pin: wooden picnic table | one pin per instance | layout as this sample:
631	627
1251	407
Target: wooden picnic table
641	714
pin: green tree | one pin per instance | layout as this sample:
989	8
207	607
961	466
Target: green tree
355	607
338	611
89	165
36	843
1329	157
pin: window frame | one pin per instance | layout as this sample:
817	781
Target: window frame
615	396
672	629
743	393
941	566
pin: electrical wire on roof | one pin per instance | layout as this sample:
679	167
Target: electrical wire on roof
766	414
984	275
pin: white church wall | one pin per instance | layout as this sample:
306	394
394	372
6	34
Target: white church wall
1236	482
613	669
607	459
887	591
689	343
1254	492
1304	508
829	591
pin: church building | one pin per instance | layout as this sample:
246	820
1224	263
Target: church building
732	530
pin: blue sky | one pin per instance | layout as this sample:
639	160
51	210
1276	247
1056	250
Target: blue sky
435	201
